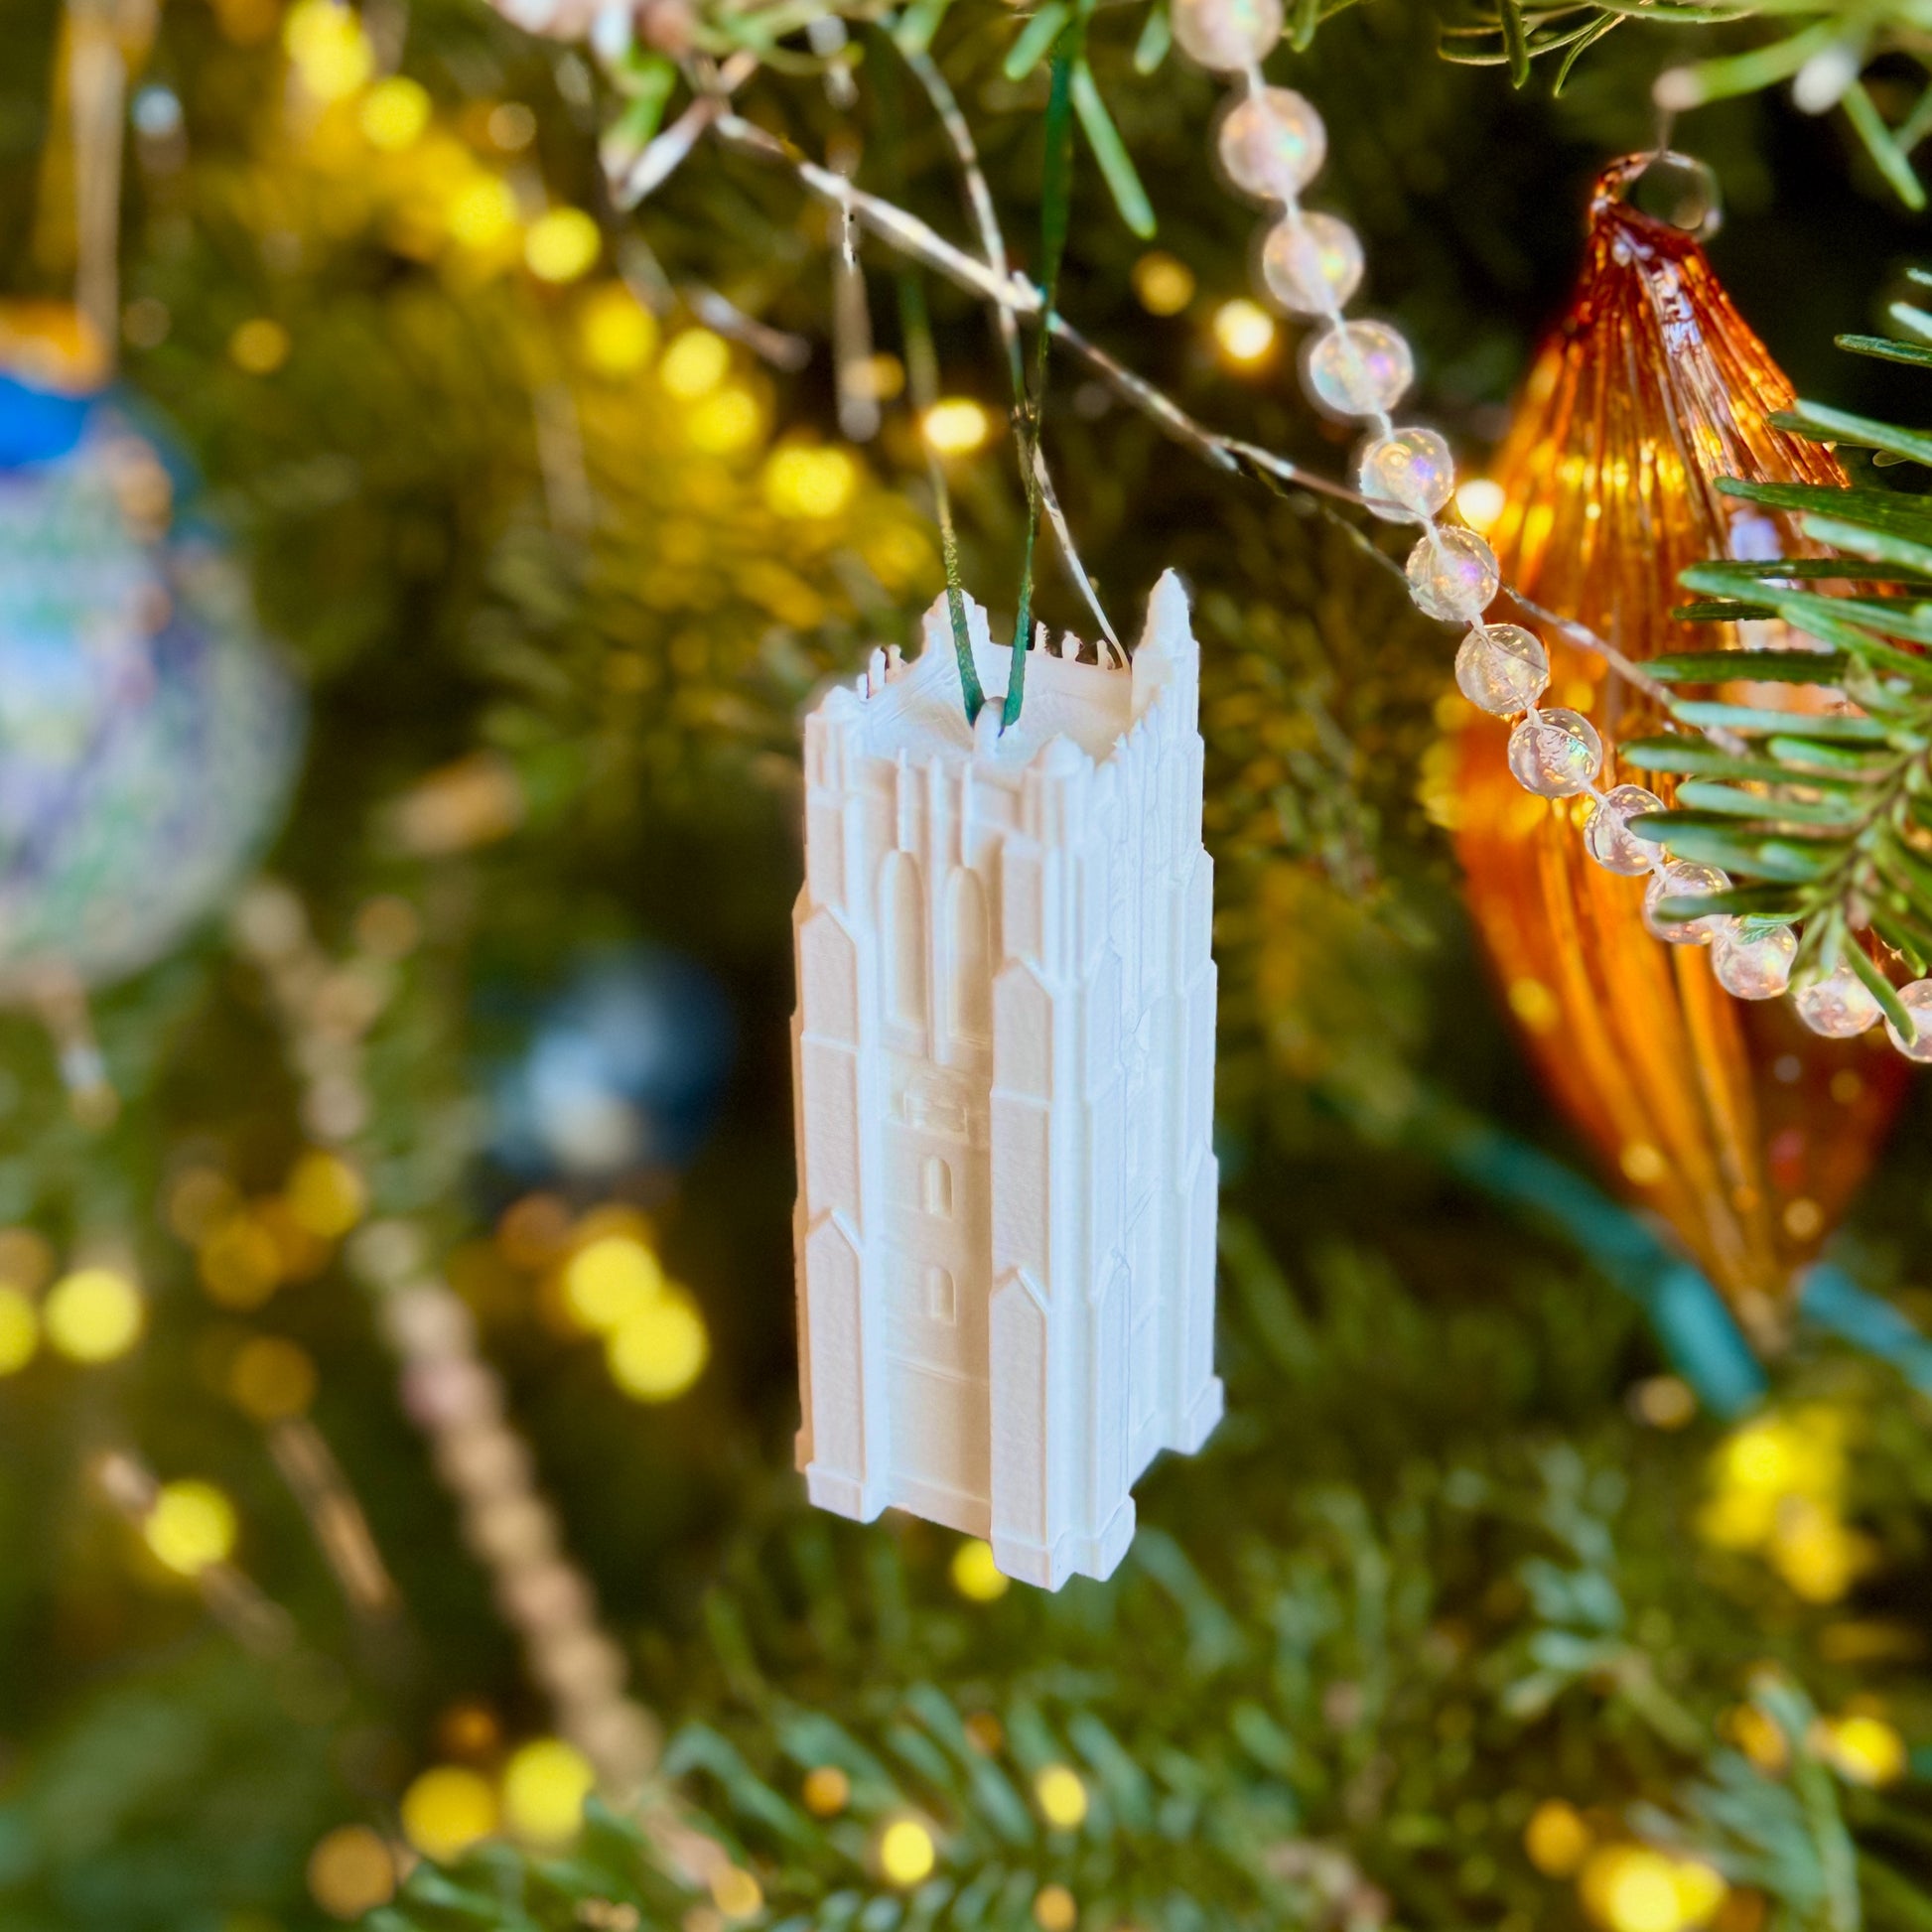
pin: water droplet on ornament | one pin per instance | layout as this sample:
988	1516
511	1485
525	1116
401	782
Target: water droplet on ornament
1753	958
1453	575
1554	754
1608	837
1502	669
1271	144
1312	264
1685	878
1225	35
1362	368
1916	998
1407	474
1840	1005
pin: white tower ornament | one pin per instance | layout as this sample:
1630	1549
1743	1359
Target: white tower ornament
1004	1064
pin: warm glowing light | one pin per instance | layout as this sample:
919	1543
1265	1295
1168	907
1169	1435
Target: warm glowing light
259	347
735	1893
482	214
270	1379
956	426
616	331
1863	1749
660	1350
545	1784
694	365
609	1281
1633	1888
906	1853
351	1872
1481	502
1556	1839
562	244
93	1316
1055	1909
191	1527
19	1329
393	117
326	1196
1062	1797
239	1263
803	480
975	1574
326	43
1162	285
1245	331
725	423
446	1811
827	1791
1815	1553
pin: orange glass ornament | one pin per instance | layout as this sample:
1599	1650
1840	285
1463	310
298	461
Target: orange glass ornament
1748	1133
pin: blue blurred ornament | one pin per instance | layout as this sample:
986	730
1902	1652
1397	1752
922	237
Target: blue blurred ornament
624	1070
147	737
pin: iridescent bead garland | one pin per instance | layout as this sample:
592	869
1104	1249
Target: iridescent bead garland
1272	143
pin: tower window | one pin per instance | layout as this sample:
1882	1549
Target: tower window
941	1299
935	1186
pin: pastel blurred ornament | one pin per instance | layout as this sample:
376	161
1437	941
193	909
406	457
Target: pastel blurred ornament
1453	575
1359	368
1838	1005
1608	839
1272	144
1683	880
1753	958
1312	264
1554	754
622	1070
1407	473
1651	390
1502	668
1916	998
1226	35
147	738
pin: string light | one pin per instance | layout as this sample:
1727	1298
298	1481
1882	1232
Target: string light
975	1574
956	426
1557	1838
1862	1749
1245	331
545	1784
735	1893
609	1280
1480	503
350	1873
1055	1909
1062	1797
906	1853
615	332
482	214
446	1810
190	1528
804	480
694	365
827	1790
259	347
562	244
19	1329
325	1195
659	1350
271	1379
394	114
328	48
1162	285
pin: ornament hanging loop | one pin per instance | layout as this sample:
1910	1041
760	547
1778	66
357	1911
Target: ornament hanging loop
1674	188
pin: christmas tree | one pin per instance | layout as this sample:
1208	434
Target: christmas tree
447	452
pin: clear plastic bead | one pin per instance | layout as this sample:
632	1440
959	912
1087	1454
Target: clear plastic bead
1685	878
1226	35
1608	839
1361	368
1312	263
1407	474
1502	668
1271	144
1838	1005
1753	958
1453	575
1554	754
1916	998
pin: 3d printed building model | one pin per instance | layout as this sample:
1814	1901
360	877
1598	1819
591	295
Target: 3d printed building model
1004	1056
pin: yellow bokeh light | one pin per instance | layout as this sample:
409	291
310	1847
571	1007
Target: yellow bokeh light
562	244
191	1527
270	1379
481	213
259	347
1863	1749
725	423
616	331
330	50
1162	285
1815	1553
545	1784
956	426
93	1314
1633	1888
827	1791
1062	1797
1480	502
393	117
975	1574
660	1350
1759	1737
239	1263
1245	331
351	1871
694	365
326	1196
1556	1839
735	1893
1055	1909
609	1281
803	481
19	1329
446	1810
906	1853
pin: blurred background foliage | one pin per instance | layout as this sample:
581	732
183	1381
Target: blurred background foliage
1469	1616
